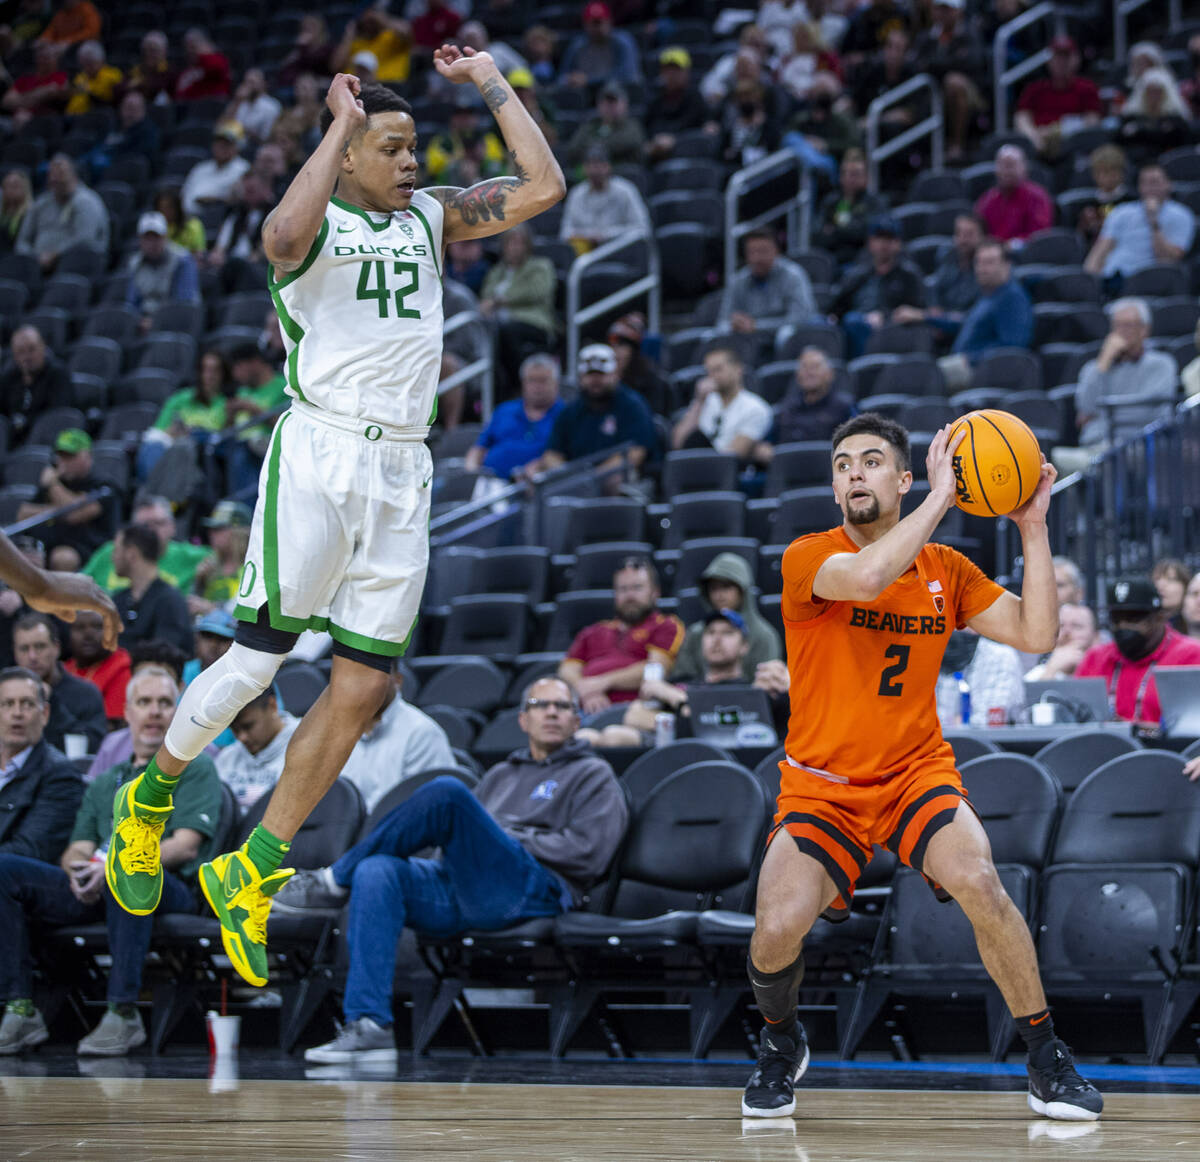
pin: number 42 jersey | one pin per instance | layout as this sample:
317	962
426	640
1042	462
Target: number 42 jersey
362	315
863	674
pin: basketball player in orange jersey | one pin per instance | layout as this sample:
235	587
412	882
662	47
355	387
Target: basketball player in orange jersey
868	608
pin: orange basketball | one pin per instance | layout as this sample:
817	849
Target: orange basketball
997	465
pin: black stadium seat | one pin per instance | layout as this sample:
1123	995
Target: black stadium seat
1072	758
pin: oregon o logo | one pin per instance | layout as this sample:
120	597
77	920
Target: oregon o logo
249	576
373	432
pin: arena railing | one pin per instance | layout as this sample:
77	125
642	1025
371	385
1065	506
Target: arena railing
933	126
650	285
1003	75
43	518
1122	9
795	207
1135	503
479	368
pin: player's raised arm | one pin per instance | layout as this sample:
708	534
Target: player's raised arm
492	206
292	227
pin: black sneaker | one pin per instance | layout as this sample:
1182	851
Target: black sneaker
1055	1088
781	1063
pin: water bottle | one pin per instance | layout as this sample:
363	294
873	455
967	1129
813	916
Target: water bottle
964	698
653	672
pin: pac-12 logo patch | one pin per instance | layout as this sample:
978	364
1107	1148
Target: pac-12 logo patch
935	591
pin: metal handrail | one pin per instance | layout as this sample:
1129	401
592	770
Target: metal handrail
481	367
798	208
650	284
32	522
1121	12
933	126
1004	77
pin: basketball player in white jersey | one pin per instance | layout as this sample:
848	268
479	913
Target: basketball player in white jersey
340	533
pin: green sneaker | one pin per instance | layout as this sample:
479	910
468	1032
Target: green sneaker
241	899
132	867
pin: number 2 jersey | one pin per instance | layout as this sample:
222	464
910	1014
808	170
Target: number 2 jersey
362	314
863	673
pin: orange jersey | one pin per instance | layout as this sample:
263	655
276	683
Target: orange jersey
863	673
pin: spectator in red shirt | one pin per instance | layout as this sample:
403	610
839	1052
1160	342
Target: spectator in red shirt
107	670
206	70
606	661
1142	639
1051	108
1014	207
438	24
45	90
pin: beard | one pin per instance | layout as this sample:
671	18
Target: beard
863	515
633	614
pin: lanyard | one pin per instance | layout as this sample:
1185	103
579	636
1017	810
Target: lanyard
1141	692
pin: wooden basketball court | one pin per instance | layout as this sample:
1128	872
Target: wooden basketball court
119	1119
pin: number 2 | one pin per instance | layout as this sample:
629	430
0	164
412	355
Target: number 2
888	686
380	292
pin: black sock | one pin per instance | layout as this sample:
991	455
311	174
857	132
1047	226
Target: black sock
776	994
1036	1030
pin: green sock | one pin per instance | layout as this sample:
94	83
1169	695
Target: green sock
125	1012
22	1006
266	852
157	786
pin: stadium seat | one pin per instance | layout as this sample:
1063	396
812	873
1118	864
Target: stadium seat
772	381
1165	280
804	510
12	496
145	385
469	684
571	521
1054	246
494	625
26	464
116	322
47	425
575	611
865	371
820	266
915	375
53	324
696	555
698	470
703	207
1175	318
298	685
684	250
459	727
1018	801
1010	368
938	185
1075	756
593	566
792	338
797	465
126	422
704	514
1074	286
67	292
900	339
523	569
1041	413
927	415
968	746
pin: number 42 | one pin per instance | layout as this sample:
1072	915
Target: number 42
382	294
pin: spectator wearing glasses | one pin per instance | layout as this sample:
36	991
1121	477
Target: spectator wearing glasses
537	830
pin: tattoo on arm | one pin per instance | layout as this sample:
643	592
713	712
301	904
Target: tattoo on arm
493	94
485	202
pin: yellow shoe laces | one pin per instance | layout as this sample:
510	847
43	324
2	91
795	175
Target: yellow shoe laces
140	851
258	908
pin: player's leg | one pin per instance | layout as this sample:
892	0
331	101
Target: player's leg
959	858
793	890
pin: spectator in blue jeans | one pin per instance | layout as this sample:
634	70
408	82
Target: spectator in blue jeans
74	891
540	827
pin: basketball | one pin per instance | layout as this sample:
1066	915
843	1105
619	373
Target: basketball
998	464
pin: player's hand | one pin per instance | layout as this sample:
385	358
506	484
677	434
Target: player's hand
1033	511
343	101
463	65
1192	769
939	464
61	594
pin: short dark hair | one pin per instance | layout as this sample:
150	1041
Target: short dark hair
19	673
761	232
991	243
156	652
32	619
642	564
726	347
873	424
246	351
142	538
375	98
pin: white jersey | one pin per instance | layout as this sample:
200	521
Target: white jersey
362	315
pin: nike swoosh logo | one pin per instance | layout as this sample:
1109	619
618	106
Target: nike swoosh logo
345	229
234	872
202	725
425	482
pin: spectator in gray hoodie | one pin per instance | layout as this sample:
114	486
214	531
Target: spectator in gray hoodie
537	830
727	583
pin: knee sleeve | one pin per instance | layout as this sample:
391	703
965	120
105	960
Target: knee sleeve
777	993
216	695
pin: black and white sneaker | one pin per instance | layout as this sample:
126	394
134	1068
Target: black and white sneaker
1055	1088
781	1063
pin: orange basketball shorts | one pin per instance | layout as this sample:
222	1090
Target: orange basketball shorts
838	823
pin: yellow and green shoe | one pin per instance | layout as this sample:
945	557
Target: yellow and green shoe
241	898
132	866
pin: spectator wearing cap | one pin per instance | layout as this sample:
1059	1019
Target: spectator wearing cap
388	38
252	107
600	53
518	296
727	586
66	215
73	21
107	670
76	706
364	64
95	85
636	369
768	291
606	661
1136	235
1014	207
676	105
1002	316
724	647
251	765
205	71
214	179
149	607
1141	640
723	415
519	430
872	292
952	50
161	271
844	214
71	538
811	409
35	382
217	578
612	127
602	206
214	634
604	415
1053	107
